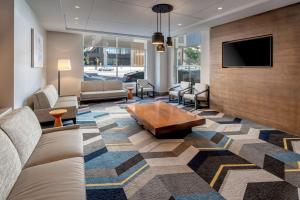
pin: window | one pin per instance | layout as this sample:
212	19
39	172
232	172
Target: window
108	57
188	58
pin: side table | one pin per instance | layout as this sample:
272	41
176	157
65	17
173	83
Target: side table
130	92
57	114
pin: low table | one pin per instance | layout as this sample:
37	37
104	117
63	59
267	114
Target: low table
57	116
161	118
130	92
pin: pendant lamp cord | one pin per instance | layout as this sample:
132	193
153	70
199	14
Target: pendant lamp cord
156	22
160	21
169	25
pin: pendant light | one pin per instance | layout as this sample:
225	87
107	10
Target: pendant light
161	47
169	38
157	37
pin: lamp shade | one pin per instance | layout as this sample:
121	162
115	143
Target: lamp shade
157	38
160	48
64	64
169	42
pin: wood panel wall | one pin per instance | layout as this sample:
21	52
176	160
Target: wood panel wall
270	96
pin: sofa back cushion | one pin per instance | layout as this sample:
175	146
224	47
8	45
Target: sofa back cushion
91	86
112	85
45	98
23	129
10	167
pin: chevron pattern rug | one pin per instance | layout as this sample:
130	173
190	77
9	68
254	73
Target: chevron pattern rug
227	158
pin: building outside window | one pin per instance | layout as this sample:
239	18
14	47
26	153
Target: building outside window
188	58
114	58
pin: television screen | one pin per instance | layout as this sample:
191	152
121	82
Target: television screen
253	52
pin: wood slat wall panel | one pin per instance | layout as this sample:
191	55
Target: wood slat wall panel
270	96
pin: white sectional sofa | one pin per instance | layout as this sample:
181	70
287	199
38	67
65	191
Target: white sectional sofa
47	99
100	90
38	164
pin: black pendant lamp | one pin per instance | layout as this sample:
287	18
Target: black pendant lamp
157	37
169	38
160	48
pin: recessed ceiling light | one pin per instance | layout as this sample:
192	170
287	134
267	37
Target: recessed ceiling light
220	8
179	24
76	6
76	18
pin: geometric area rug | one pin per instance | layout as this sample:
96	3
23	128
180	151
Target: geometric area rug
226	158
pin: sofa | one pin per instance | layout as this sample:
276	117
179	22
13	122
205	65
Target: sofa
47	99
100	90
39	164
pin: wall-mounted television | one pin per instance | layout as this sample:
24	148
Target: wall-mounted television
251	52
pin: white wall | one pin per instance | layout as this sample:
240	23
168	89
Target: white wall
205	57
27	80
161	72
7	51
70	46
150	67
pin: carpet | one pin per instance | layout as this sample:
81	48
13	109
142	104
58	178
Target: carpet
227	158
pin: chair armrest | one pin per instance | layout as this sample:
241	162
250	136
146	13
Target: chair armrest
185	90
151	84
63	128
172	88
201	92
67	95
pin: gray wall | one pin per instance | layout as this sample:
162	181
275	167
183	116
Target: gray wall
17	79
70	46
7	51
27	80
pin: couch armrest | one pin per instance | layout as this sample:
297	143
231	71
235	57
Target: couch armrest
63	128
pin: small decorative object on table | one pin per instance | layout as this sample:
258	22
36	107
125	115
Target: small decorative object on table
57	116
130	92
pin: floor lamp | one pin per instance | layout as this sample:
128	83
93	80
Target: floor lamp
62	65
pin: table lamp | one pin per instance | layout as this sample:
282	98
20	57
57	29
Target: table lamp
62	65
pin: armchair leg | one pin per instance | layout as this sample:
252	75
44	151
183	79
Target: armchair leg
196	104
183	101
142	94
74	120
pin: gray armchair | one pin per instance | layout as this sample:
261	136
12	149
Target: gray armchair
178	91
143	86
200	94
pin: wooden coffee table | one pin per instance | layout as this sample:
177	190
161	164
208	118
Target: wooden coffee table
57	116
161	118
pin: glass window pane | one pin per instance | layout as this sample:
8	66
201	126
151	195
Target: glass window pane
108	57
188	58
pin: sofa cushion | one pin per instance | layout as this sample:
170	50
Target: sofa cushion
66	104
67	98
60	180
104	94
57	146
45	98
10	166
112	85
91	86
23	129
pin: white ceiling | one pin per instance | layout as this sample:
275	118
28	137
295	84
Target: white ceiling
135	17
